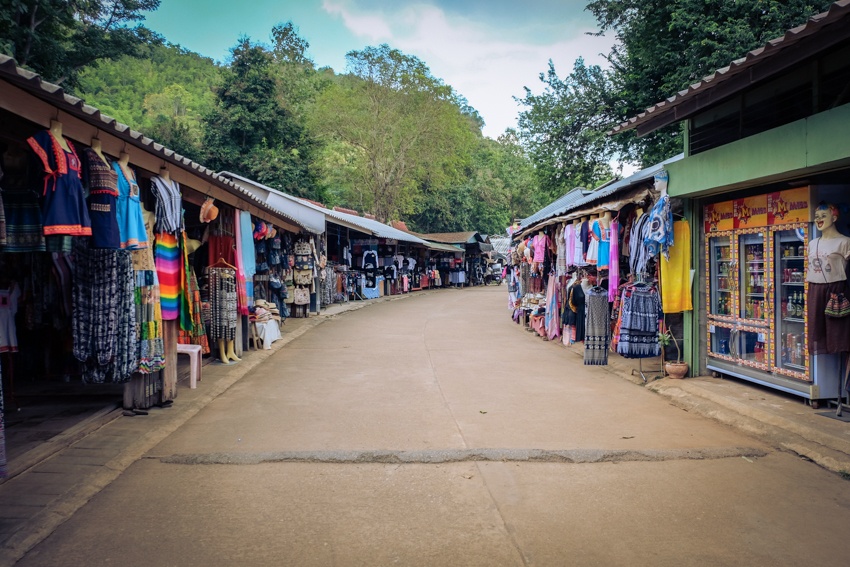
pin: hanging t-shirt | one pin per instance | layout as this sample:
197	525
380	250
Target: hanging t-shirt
540	243
828	259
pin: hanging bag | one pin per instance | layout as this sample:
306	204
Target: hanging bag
302	296
837	305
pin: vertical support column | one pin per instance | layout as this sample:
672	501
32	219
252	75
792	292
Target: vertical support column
169	374
690	351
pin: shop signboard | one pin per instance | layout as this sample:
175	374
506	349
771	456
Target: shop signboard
719	217
750	212
789	206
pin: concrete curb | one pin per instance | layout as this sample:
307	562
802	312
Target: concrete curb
828	451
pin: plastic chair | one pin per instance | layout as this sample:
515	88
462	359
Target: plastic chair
194	352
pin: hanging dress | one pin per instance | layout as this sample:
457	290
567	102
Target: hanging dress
598	328
63	208
131	224
168	266
102	183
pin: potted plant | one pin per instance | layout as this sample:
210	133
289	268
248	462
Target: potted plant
676	369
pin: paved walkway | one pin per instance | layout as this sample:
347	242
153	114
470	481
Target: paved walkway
38	500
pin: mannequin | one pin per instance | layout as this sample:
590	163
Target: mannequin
98	149
164	173
827	273
605	219
56	131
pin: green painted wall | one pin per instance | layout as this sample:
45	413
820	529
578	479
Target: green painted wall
816	143
807	144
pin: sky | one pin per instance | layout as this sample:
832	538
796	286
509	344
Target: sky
487	50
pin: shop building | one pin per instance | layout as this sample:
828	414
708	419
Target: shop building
767	142
116	254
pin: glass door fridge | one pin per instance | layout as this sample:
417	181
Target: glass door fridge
790	355
722	302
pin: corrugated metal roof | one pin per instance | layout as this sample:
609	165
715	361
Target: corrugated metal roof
306	217
467	237
589	199
501	244
555	208
623	184
838	11
55	95
445	247
369	226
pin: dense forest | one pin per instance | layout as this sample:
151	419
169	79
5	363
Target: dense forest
384	135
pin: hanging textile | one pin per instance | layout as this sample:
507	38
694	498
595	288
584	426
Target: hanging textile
552	321
2	216
104	314
24	231
151	349
102	184
9	299
676	272
584	233
658	235
249	254
131	223
223	307
597	332
593	236
169	206
640	312
561	250
3	471
576	317
639	254
614	262
64	208
168	263
569	245
197	335
604	236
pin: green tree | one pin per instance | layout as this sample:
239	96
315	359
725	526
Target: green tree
396	128
250	133
664	46
164	93
564	129
57	38
499	187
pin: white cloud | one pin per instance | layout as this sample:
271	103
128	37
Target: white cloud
487	65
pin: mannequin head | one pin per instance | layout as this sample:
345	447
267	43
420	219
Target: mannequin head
825	216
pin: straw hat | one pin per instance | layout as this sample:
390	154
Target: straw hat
209	212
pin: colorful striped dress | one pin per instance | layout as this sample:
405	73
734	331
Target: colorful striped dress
168	269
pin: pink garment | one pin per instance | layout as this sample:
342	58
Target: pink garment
570	239
241	281
614	262
540	243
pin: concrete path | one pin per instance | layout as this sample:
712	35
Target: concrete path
433	431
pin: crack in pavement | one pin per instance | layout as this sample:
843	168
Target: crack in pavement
569	456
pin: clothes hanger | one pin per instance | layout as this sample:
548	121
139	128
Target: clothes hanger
222	261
